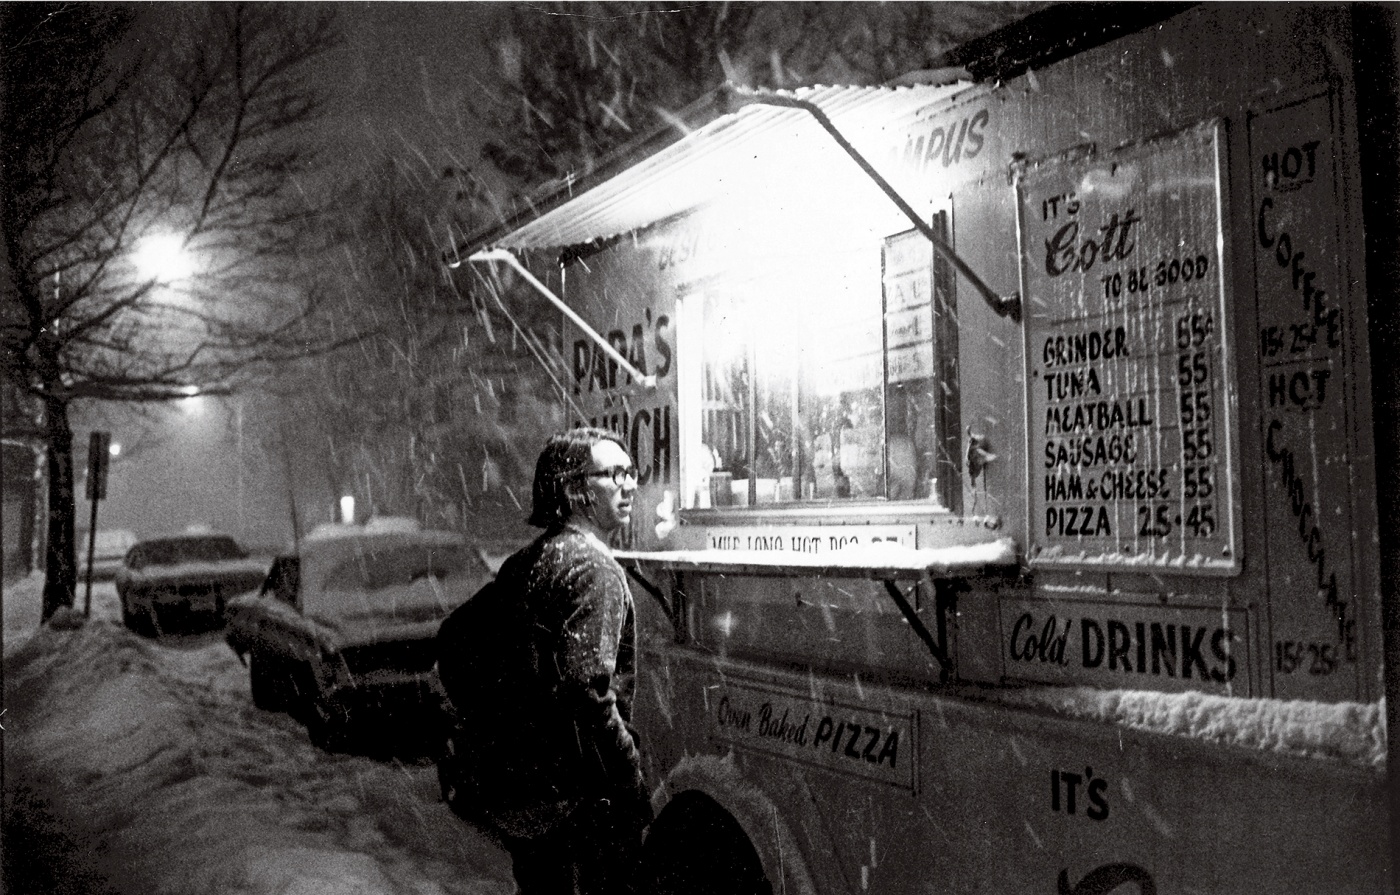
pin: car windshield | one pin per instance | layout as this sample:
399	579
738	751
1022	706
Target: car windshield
402	564
174	551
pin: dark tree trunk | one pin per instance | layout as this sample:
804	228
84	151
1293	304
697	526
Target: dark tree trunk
61	578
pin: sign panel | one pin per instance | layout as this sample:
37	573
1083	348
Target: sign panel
848	739
1135	646
99	456
807	538
1306	328
908	281
1131	448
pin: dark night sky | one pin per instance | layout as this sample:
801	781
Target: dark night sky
403	67
406	68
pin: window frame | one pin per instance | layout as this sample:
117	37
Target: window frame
947	436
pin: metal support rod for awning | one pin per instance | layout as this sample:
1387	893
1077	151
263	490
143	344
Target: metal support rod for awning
660	597
937	647
1004	305
489	255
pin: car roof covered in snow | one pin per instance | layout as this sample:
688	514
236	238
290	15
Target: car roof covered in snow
339	568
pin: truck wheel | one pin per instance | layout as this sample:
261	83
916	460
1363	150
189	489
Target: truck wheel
262	680
696	848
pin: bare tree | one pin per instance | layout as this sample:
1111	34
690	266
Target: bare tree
194	148
578	80
424	414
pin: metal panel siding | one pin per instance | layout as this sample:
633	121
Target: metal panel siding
1003	799
628	293
1210	63
991	381
988	805
831	624
1188	813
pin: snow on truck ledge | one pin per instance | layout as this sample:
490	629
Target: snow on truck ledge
875	558
1350	732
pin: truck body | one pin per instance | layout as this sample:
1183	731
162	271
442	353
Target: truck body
1016	505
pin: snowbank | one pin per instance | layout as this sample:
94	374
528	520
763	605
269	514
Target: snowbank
150	757
22	604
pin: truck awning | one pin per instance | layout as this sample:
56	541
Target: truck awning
716	142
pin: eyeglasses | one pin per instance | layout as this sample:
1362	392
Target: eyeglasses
618	474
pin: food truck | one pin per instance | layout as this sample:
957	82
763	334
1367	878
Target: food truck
1017	505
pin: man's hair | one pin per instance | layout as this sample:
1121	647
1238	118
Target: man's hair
560	477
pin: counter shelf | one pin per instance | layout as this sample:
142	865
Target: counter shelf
895	566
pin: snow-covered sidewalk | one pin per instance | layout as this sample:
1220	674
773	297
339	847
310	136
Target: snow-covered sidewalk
146	768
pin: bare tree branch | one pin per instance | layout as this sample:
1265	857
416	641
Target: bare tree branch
107	144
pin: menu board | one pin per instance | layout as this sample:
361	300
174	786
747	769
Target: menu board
908	281
1311	322
1131	448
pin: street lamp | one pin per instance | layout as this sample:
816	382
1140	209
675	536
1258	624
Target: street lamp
192	402
162	257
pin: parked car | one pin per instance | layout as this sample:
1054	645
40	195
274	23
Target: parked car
343	629
194	572
109	549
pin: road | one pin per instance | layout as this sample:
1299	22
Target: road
138	765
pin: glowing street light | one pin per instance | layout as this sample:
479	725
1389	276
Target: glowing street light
162	257
192	402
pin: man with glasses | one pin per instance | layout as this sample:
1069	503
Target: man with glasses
569	802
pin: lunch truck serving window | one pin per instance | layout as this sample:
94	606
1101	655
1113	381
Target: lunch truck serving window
1129	419
828	378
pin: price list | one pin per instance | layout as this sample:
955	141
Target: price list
1130	447
908	282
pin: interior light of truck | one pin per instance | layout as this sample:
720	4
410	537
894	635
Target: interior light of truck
666	515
